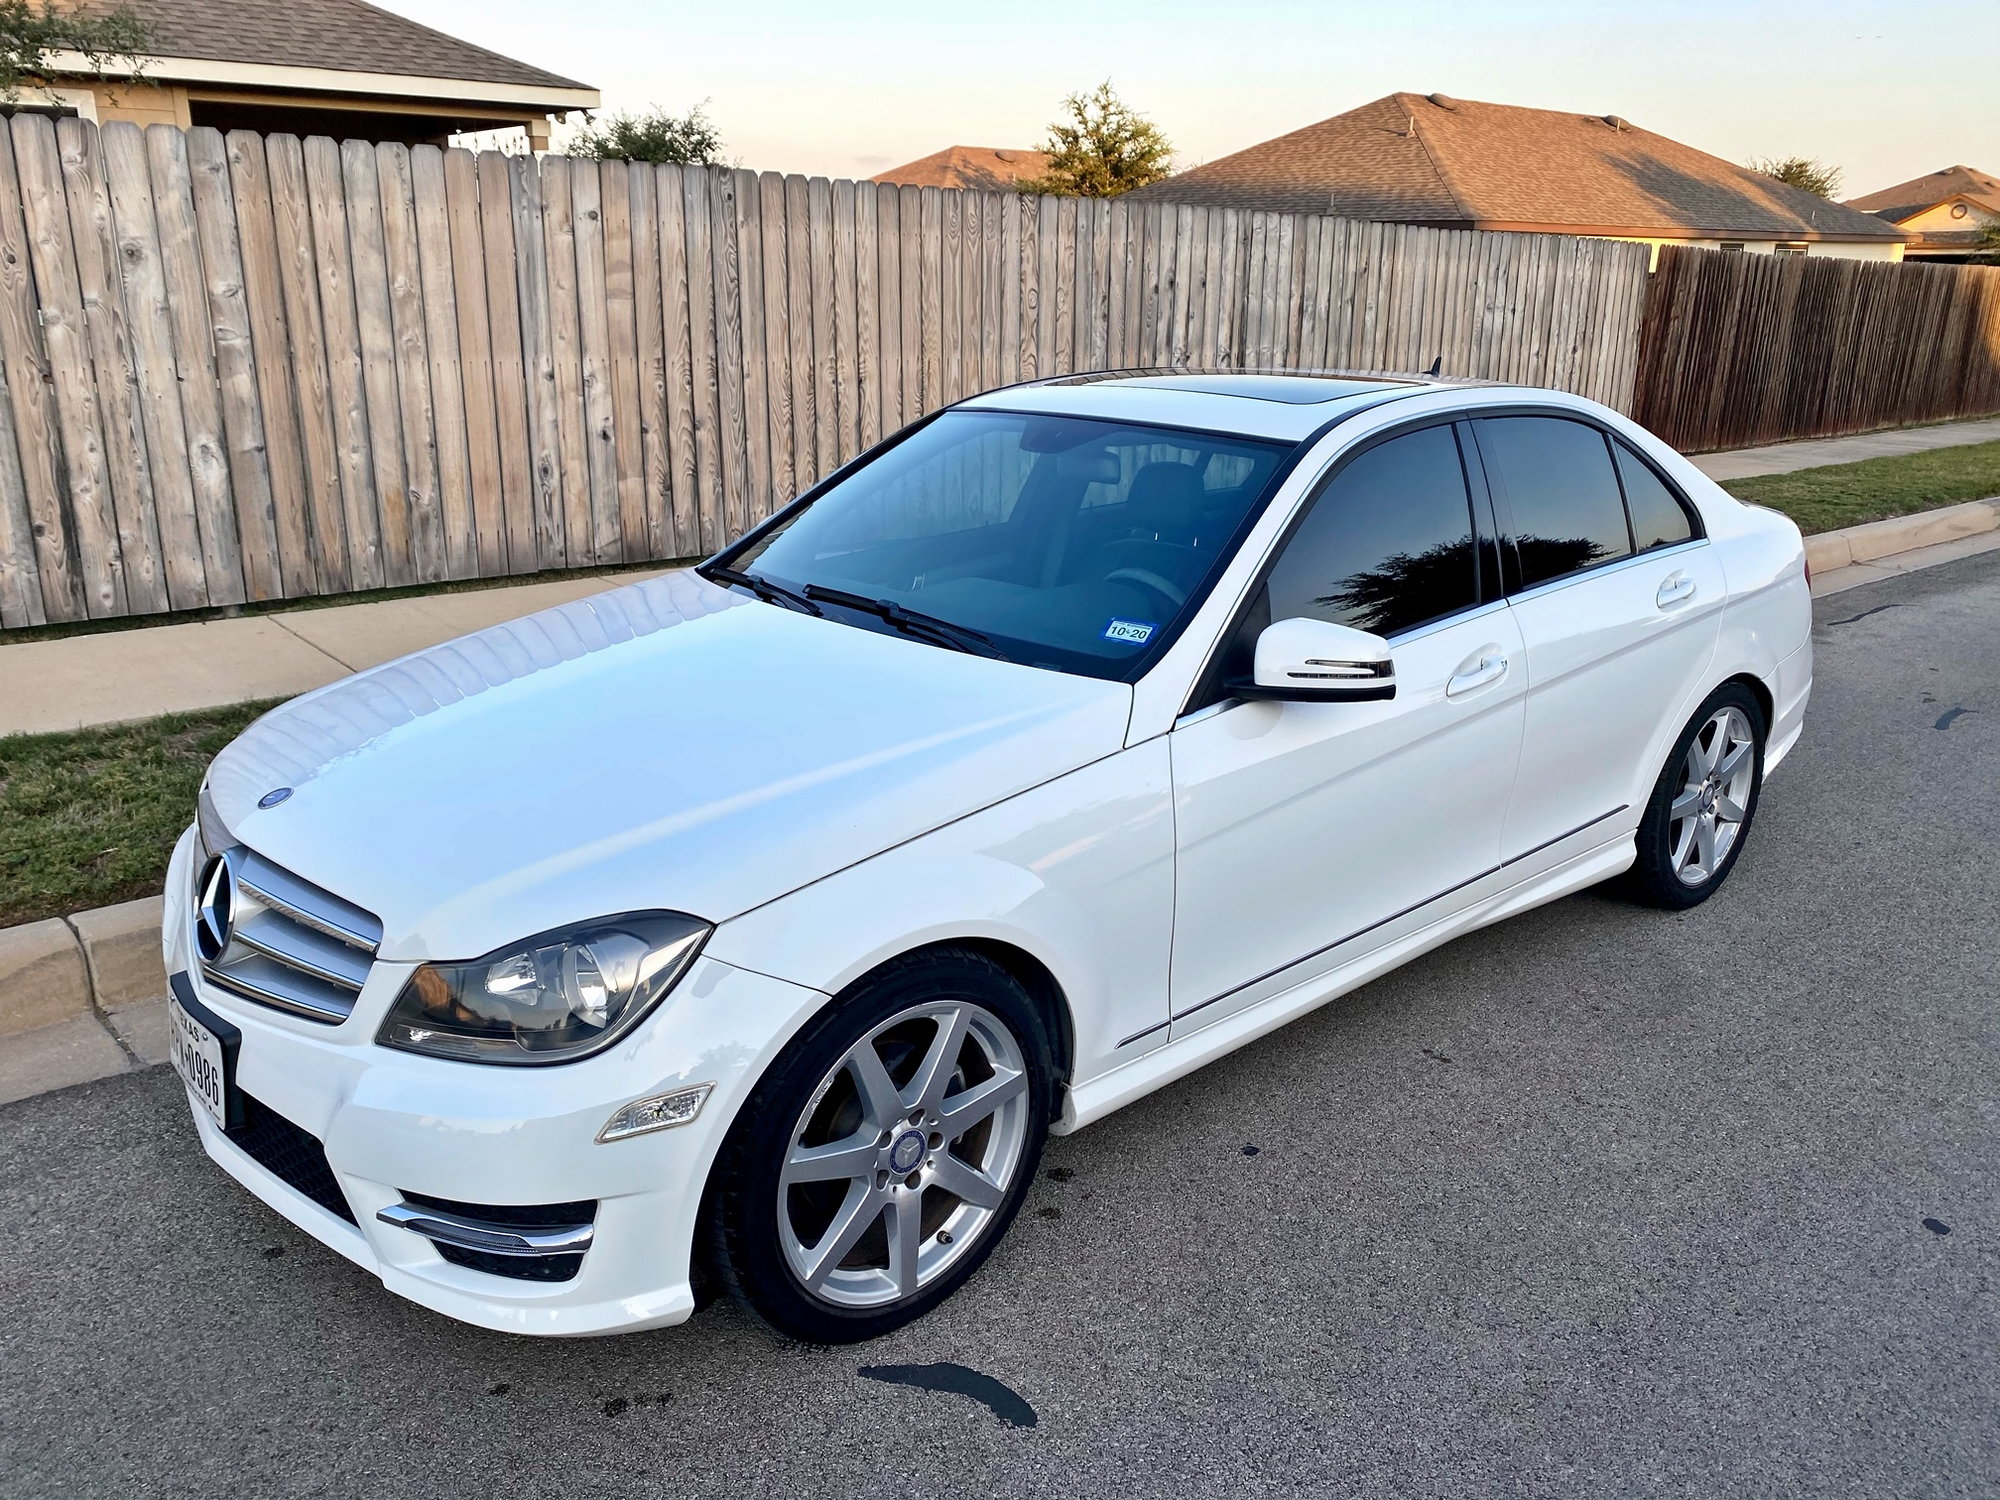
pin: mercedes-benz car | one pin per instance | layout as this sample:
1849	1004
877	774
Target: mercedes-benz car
751	927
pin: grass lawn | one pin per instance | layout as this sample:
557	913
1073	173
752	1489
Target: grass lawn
90	816
1838	495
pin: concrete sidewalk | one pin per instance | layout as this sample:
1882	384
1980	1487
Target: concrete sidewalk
120	675
1785	458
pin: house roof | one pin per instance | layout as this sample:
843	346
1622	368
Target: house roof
345	36
987	167
1430	159
1908	199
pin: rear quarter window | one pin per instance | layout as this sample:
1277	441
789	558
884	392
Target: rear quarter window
1659	519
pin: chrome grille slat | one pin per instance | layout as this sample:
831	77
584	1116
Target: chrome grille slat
291	945
309	904
269	983
275	935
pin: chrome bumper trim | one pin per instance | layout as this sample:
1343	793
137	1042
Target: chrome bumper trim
493	1239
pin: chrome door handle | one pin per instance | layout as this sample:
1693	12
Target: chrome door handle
1676	588
1489	666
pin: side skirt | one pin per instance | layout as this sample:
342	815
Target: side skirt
1090	1102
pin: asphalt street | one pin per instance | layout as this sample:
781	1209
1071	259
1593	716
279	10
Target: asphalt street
1599	1202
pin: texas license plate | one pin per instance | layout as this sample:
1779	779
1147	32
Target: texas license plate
198	1058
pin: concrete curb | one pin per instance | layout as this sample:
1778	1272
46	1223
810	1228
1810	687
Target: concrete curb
1879	539
81	997
84	997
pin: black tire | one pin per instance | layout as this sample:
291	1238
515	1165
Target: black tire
743	1206
1653	879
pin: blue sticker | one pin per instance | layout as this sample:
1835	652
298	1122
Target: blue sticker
1137	632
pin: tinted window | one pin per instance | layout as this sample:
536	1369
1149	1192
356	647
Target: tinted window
1657	517
1388	544
1561	490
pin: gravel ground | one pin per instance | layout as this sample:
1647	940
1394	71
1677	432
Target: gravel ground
1598	1202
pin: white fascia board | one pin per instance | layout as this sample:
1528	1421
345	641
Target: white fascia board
338	81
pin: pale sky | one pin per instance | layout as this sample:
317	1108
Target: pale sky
1885	91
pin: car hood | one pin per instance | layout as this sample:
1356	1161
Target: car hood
669	744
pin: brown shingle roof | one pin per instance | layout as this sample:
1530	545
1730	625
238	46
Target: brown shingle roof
988	167
1933	188
1427	159
344	35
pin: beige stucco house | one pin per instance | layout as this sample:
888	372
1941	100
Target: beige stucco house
1946	213
318	67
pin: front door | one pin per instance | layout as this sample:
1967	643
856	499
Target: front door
1305	831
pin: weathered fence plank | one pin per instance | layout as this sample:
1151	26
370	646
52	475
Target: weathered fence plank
1737	350
262	368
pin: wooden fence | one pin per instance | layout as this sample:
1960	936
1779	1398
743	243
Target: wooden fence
1738	350
252	367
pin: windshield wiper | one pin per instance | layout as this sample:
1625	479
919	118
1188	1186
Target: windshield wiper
912	621
762	587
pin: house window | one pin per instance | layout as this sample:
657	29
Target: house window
1736	245
1958	210
1789	247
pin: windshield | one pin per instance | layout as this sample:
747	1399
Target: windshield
1064	542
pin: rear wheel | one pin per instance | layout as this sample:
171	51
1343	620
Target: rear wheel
887	1150
1703	803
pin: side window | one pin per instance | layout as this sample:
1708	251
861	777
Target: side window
1388	544
1561	491
1658	519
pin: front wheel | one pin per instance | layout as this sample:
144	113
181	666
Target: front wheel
887	1150
1702	805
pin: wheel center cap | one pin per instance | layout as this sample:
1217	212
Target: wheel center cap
907	1151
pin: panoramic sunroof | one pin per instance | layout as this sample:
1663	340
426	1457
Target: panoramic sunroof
1293	390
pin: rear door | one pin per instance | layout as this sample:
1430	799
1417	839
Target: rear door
1618	600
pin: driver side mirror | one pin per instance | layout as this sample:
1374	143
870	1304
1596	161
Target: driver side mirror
1315	661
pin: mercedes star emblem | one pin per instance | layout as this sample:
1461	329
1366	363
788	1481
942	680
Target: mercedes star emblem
215	909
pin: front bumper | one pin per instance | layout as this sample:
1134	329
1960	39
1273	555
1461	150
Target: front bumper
394	1123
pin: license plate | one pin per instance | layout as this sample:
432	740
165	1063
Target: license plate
198	1058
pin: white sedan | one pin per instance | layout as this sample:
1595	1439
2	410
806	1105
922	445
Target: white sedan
755	925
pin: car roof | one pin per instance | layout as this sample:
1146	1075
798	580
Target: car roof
1289	406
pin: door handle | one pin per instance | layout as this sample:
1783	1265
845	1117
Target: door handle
1488	666
1675	588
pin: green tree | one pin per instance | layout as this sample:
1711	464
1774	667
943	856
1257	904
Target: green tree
1986	249
32	30
690	140
1100	148
1807	172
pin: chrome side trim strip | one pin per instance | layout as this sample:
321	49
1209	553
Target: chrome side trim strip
1551	843
1182	1015
1137	1035
492	1239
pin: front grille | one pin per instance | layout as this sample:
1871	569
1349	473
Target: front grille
520	1216
289	1153
264	934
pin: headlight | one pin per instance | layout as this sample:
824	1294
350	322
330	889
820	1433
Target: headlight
551	999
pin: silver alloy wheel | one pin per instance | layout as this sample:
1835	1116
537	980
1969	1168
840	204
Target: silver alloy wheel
1707	814
903	1155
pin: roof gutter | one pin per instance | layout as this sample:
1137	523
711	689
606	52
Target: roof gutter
1889	236
340	81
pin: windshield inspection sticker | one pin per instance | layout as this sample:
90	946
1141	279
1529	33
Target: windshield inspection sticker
1138	632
